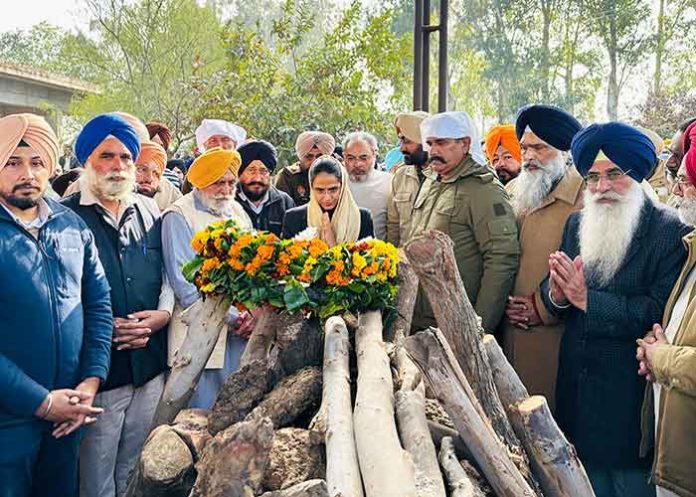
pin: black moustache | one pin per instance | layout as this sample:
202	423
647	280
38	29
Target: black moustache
24	185
436	159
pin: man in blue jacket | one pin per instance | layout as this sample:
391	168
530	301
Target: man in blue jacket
55	326
619	259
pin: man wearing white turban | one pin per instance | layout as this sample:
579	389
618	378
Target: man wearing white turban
462	197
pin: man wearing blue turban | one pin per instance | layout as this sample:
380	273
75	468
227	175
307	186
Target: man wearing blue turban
127	231
610	281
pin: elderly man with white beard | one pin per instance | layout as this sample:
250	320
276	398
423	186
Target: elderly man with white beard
547	191
370	187
610	280
127	232
213	176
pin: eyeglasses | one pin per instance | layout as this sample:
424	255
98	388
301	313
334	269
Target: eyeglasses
257	170
612	175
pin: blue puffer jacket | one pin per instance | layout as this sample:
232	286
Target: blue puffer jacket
55	312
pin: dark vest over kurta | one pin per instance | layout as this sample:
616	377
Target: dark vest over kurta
132	260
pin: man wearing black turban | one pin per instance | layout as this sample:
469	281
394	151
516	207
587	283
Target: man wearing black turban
552	124
265	204
610	282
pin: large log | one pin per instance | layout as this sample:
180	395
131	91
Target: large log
413	424
510	388
386	468
310	488
192	426
432	257
342	470
554	460
405	299
296	456
205	320
165	468
458	482
447	382
298	344
292	397
234	462
261	338
242	391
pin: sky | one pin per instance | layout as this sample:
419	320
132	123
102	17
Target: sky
22	14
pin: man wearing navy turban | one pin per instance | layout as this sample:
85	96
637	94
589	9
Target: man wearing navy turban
127	230
545	192
610	282
265	204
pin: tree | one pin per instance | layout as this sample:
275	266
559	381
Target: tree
147	56
41	47
621	27
671	20
355	78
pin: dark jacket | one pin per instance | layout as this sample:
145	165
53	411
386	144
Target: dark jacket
132	260
294	181
296	220
271	216
56	323
598	392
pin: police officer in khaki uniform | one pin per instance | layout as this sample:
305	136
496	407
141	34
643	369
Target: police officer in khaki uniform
462	197
408	176
294	179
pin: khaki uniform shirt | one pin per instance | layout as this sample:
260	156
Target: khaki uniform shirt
405	185
471	207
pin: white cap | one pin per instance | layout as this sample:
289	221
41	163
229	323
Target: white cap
212	127
453	125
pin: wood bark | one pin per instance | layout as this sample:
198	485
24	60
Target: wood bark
234	462
165	466
296	456
510	388
386	468
310	488
554	460
438	432
458	482
192	426
342	469
242	391
432	256
447	382
405	299
205	323
292	397
261	338
298	344
416	439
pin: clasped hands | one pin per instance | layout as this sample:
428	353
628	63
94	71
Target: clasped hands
69	408
645	349
567	280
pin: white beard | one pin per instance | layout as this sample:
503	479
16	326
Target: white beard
111	186
606	232
218	205
533	186
687	211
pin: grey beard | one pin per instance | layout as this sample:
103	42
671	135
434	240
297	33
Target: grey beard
533	186
687	211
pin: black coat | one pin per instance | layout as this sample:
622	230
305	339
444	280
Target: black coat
271	217
598	392
296	220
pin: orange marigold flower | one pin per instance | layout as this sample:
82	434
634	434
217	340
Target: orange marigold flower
210	264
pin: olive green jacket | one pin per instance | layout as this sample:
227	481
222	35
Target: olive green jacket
674	367
471	207
405	185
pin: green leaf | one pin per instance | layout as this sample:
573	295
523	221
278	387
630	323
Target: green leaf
190	269
295	296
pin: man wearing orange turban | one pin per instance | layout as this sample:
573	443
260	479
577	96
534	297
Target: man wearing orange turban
55	293
294	179
504	152
148	174
214	178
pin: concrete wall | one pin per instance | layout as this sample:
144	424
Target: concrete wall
30	96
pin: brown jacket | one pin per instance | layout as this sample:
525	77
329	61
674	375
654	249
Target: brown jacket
295	182
405	185
674	366
534	352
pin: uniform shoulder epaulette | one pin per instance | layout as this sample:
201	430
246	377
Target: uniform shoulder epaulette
293	169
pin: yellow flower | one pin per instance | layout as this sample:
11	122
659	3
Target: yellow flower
359	262
208	288
199	240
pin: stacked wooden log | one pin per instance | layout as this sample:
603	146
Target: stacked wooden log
338	410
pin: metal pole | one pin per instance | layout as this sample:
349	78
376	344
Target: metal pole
425	30
443	75
418	55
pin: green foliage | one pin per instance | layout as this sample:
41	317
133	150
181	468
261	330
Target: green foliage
355	78
42	47
146	56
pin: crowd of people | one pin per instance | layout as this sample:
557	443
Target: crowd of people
574	244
